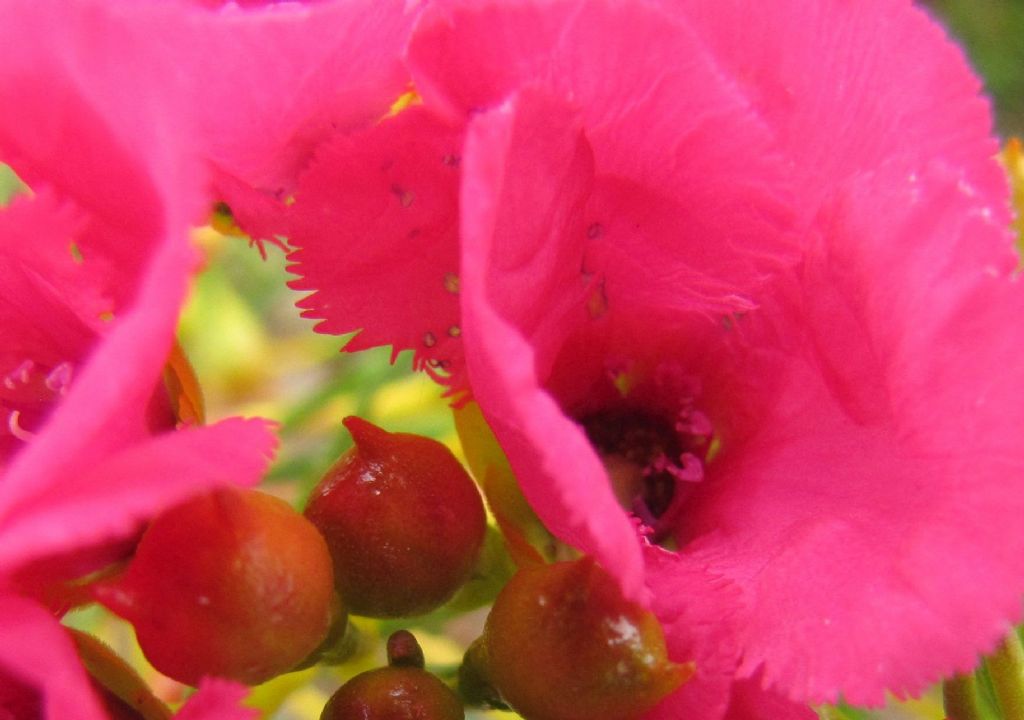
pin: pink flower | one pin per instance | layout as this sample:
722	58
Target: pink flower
93	271
739	269
279	78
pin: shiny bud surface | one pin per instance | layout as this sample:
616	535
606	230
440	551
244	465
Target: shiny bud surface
401	691
561	643
403	521
232	584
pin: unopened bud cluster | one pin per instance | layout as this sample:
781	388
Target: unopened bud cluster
236	584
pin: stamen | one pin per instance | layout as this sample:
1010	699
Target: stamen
59	379
14	425
19	375
652	463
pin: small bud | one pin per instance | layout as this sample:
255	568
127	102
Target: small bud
401	691
404	651
403	521
561	643
233	584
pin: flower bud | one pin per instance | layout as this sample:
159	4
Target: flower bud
561	643
403	521
401	691
233	584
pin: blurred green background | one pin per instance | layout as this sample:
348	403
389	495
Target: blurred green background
992	32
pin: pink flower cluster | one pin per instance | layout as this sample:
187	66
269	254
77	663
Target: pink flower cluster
732	283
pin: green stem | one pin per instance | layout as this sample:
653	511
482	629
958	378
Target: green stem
1006	668
961	698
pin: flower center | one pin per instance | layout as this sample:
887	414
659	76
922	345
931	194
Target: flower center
652	462
27	392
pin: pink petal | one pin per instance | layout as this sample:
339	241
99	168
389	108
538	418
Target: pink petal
866	400
36	650
106	407
217	699
873	509
749	701
698	611
17	700
374	223
111	499
656	109
846	87
45	324
36	235
282	78
521	256
285	77
104	145
79	79
664	127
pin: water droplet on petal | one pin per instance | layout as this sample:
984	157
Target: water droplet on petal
429	339
454	331
594	231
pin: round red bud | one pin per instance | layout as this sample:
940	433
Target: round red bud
403	521
401	691
233	584
561	643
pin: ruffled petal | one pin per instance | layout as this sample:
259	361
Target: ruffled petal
105	147
671	136
106	407
518	279
698	610
870	505
49	315
374	225
847	87
88	122
36	650
853	395
37	238
749	701
109	500
217	699
268	85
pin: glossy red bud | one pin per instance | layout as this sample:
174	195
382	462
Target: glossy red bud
233	584
401	691
403	521
561	643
